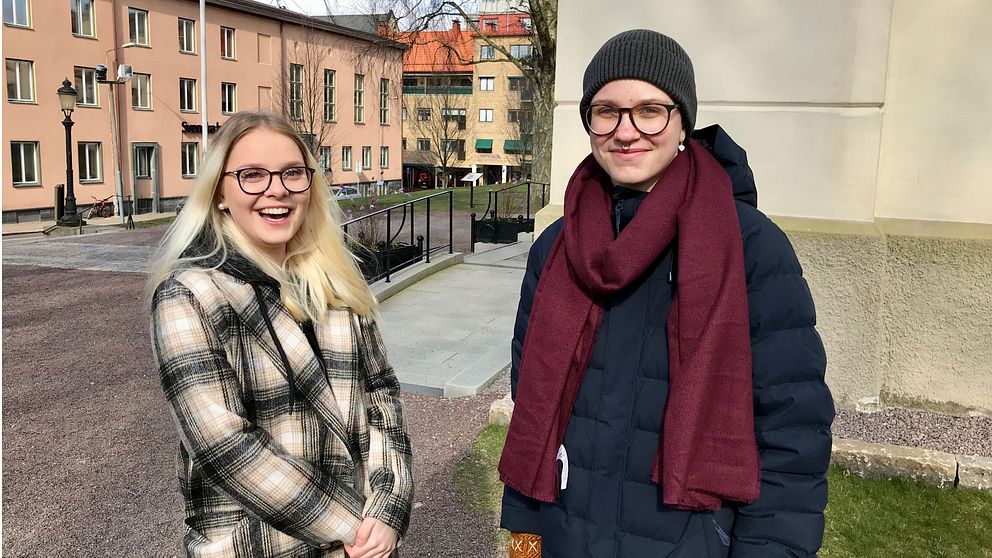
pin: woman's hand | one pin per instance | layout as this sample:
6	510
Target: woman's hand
375	539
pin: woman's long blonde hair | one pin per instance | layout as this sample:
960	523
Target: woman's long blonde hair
319	270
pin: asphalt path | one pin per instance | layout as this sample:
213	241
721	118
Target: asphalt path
89	447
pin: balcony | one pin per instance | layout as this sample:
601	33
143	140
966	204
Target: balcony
453	90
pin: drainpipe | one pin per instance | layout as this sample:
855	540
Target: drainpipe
203	73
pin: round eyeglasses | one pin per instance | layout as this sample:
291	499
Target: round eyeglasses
649	119
256	180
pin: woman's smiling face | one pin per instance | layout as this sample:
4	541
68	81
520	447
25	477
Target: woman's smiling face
270	219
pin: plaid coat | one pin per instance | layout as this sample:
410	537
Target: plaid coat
265	472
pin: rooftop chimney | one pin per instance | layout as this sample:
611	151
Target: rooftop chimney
456	25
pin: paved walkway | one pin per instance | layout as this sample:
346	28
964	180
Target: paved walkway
449	334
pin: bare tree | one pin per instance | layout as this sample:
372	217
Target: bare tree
418	17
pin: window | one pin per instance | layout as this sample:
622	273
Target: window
190	156
187	36
359	99
423	114
366	157
82	18
383	157
384	101
492	25
404	144
513	116
229	98
296	91
404	113
487	84
141	91
454	115
423	144
485	115
143	161
525	21
516	83
227	43
346	157
138	24
17	12
20	80
330	99
90	162
521	51
487	52
324	158
187	95
85	84
24	162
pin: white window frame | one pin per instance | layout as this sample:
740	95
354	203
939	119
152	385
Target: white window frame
359	99
424	114
228	43
366	157
85	152
383	101
346	157
187	95
77	21
296	91
487	81
487	52
187	36
384	157
143	161
330	95
486	115
35	166
16	14
137	21
87	92
423	144
16	68
324	157
228	97
189	154
516	51
146	92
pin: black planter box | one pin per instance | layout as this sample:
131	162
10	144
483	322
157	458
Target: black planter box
373	261
501	231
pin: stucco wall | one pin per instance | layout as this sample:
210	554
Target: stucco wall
868	127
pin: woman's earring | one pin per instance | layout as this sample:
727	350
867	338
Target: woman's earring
221	206
681	147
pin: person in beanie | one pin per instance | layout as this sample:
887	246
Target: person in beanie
667	375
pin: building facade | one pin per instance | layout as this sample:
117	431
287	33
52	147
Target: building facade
467	107
340	86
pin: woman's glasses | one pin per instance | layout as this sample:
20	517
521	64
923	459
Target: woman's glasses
649	119
257	180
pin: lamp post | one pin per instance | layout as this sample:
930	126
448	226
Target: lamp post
67	98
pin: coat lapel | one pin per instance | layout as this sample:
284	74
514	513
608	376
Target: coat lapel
308	375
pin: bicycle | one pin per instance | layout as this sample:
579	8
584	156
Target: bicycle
101	208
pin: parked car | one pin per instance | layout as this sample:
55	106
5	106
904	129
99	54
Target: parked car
344	193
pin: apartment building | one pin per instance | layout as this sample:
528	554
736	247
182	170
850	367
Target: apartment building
467	108
340	86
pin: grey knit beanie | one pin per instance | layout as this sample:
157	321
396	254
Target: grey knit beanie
649	56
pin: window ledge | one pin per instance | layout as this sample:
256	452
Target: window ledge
183	111
142	109
22	102
90	37
91	181
229	58
188	52
17	26
87	106
27	184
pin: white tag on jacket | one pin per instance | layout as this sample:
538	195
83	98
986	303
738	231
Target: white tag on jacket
563	457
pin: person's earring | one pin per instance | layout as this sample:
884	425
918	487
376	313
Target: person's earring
221	206
681	147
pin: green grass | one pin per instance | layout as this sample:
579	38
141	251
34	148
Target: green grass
866	518
460	201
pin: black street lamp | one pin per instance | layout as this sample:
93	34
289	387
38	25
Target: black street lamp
67	98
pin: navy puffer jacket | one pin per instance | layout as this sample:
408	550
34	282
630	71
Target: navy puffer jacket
610	508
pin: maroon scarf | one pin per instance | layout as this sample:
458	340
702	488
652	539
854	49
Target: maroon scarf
707	452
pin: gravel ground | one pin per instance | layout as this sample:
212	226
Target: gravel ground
922	429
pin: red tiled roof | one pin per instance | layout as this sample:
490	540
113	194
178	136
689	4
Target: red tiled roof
437	51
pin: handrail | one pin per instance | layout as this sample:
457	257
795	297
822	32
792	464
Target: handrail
422	251
494	196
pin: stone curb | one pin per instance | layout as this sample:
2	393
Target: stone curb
865	459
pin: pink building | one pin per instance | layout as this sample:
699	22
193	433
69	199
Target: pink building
340	86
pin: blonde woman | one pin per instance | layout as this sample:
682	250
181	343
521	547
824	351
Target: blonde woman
293	441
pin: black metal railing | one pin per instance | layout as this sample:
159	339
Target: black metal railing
497	224
379	259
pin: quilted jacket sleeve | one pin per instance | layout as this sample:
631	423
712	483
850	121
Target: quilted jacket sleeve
520	513
238	458
792	405
390	458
